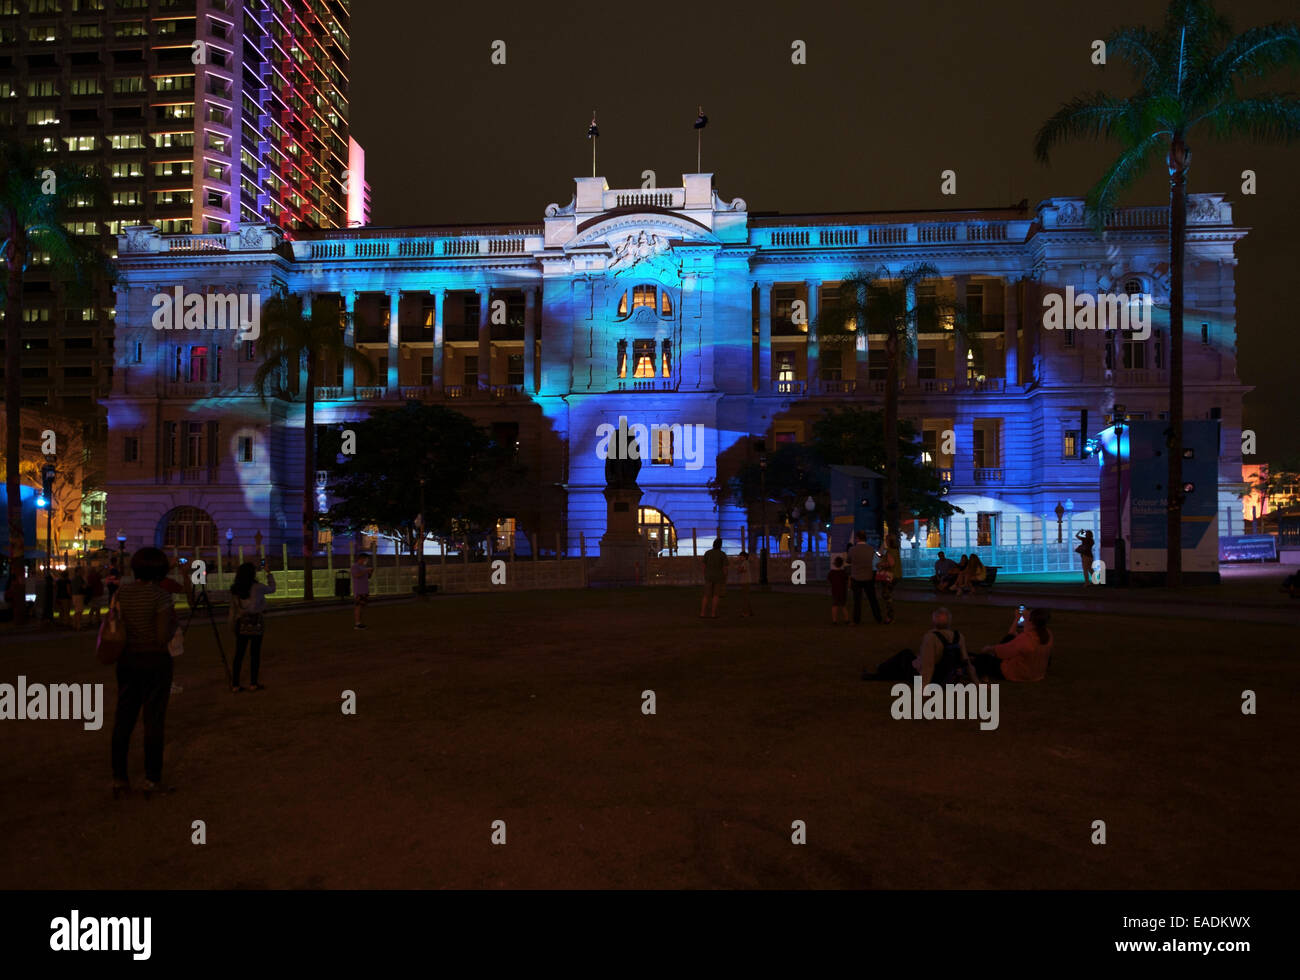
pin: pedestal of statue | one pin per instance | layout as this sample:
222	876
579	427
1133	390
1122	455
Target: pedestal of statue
622	552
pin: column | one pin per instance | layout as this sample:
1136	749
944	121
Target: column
484	337
349	337
764	338
394	338
958	342
439	303
814	351
1011	331
861	354
530	344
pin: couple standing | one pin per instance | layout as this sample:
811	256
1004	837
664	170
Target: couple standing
869	577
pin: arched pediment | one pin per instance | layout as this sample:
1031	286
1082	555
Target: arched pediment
640	239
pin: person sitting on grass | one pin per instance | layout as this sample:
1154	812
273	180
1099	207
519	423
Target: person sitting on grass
943	638
839	579
1023	654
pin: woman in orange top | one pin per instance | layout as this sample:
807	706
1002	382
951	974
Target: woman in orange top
1023	656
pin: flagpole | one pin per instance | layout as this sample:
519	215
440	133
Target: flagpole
700	122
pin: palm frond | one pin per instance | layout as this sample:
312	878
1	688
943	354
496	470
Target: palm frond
1084	117
1271	117
1104	196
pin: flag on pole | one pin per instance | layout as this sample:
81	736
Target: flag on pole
701	120
592	131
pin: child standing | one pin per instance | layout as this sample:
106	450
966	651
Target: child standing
361	572
839	579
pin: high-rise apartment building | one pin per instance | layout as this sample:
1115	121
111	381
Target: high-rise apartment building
201	115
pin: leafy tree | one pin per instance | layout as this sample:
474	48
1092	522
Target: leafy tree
890	304
468	480
288	339
856	437
1188	75
36	191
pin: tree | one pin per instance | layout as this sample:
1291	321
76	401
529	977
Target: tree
794	473
288	339
36	191
855	436
882	302
468	480
1188	73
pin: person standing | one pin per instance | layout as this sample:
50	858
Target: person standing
63	597
112	581
94	593
78	597
1084	551
862	576
247	605
144	670
886	569
360	572
715	579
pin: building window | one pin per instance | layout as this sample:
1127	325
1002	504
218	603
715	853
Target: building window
245	449
194	444
426	370
661	450
657	530
622	358
1135	354
1205	333
832	364
1133	287
643	353
470	374
926	360
198	365
668	359
131	450
1109	341
785	365
188	527
515	369
665	304
975	307
1070	444
984	528
178	372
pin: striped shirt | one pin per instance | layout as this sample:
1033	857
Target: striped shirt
140	604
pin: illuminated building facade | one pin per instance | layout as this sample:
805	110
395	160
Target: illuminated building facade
200	115
668	307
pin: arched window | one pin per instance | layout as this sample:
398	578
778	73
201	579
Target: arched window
188	527
657	530
647	297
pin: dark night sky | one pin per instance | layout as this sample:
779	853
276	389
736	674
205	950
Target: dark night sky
891	95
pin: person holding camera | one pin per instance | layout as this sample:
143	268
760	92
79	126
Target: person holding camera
247	608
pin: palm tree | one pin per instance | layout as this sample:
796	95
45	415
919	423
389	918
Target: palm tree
35	195
880	302
289	338
1188	75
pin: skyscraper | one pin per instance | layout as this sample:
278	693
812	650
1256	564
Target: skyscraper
201	115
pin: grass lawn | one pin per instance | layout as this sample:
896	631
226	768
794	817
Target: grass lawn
526	708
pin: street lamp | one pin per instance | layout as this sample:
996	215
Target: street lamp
762	492
1060	521
121	553
1121	574
230	543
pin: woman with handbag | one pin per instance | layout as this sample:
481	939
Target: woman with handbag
147	616
247	605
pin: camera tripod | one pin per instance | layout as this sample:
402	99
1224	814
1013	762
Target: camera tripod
201	601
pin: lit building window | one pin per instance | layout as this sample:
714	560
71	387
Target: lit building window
661	453
643	351
668	359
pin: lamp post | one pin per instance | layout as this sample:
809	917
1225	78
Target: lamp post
47	494
1069	512
762	492
121	553
230	544
1060	522
810	506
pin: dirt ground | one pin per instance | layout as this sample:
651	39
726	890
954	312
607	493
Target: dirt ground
527	708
